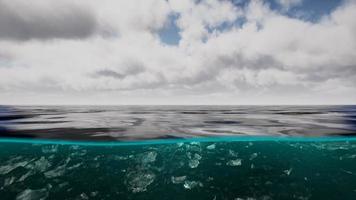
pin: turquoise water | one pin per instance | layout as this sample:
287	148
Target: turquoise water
210	168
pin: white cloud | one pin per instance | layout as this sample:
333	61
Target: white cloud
271	58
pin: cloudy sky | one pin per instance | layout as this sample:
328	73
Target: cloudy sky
177	52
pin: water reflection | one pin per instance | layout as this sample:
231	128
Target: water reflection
148	122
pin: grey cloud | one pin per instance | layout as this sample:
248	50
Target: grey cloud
239	61
21	23
213	67
109	73
131	68
324	73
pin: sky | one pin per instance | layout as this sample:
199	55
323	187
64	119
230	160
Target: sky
177	52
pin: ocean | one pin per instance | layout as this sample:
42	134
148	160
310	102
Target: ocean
178	152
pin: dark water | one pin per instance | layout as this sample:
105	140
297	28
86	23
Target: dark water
191	159
149	122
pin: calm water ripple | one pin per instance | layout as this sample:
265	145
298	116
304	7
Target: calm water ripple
152	122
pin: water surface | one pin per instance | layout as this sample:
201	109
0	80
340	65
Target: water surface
154	122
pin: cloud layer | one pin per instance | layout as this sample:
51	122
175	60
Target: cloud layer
22	20
86	51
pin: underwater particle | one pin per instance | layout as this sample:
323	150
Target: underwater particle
62	185
288	171
93	194
80	152
268	183
84	196
59	170
195	147
248	198
116	157
50	149
253	156
11	166
352	156
138	181
347	172
41	164
193	163
149	157
23	177
9	181
180	144
211	147
178	179
236	162
250	144
193	160
233	153
75	147
192	184
74	166
252	166
29	194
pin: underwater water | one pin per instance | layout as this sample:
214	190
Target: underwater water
184	169
178	152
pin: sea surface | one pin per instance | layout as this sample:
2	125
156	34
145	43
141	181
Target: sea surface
178	152
110	123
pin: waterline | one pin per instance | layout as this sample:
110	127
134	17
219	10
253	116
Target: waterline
182	140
